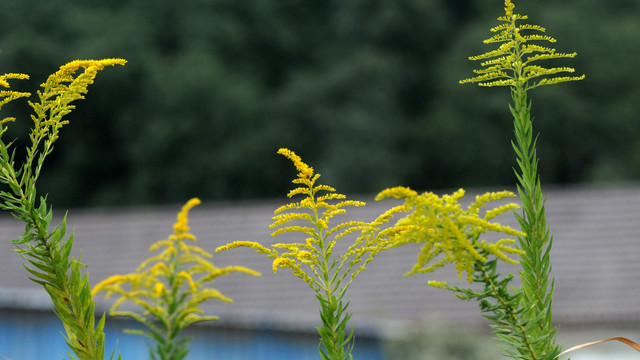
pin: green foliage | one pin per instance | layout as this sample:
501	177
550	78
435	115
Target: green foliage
335	344
48	252
169	287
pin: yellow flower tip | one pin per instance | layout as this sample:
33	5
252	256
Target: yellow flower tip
305	171
185	275
508	8
254	245
91	68
181	226
113	61
321	224
228	246
282	262
72	66
305	256
5	77
104	284
398	192
159	289
438	284
245	270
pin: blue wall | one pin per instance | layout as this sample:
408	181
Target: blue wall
33	335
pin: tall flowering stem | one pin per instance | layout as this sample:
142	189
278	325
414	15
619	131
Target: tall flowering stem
315	260
46	251
169	287
514	64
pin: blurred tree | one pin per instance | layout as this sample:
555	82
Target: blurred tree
366	89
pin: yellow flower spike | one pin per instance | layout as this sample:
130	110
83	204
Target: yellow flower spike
305	171
186	276
237	244
438	284
105	284
190	248
399	192
300	190
303	229
159	269
285	218
5	77
181	226
168	243
283	262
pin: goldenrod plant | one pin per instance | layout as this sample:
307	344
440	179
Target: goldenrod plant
523	319
515	64
169	287
47	251
315	261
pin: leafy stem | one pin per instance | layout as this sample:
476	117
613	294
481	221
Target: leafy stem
333	343
509	307
48	253
536	245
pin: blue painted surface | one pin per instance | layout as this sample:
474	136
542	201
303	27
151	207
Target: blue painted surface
30	335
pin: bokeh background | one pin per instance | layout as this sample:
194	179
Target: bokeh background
366	91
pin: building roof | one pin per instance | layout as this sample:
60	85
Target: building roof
595	259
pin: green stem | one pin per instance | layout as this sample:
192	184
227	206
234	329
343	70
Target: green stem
170	349
333	313
536	267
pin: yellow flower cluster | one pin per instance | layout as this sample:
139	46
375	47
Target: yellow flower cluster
451	234
169	286
59	91
512	63
54	103
311	216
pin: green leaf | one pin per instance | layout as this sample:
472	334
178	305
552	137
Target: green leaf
48	279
